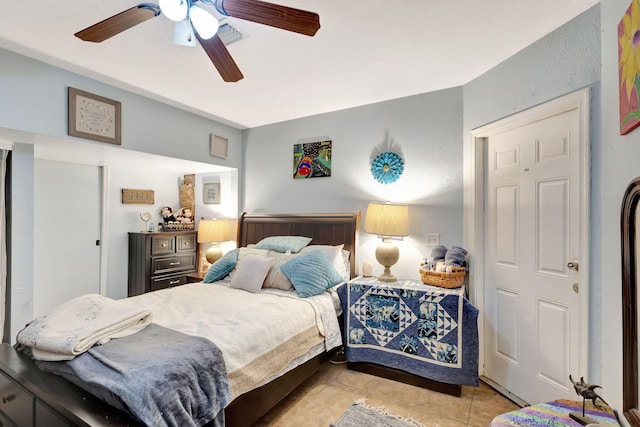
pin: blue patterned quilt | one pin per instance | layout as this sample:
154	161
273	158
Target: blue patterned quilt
424	330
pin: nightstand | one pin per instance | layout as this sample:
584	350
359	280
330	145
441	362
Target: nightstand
411	332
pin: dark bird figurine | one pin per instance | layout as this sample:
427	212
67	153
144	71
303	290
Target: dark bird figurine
587	391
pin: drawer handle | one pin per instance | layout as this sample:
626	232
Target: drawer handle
186	243
163	245
9	398
175	282
175	263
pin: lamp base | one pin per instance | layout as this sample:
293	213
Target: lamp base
387	277
214	253
387	254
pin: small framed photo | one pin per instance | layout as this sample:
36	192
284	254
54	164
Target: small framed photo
218	146
211	193
94	117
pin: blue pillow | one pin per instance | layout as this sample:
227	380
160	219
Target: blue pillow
311	273
283	243
222	267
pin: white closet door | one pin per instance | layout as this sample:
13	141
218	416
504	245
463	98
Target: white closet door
67	225
532	311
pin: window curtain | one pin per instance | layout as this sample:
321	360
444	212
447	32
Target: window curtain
3	241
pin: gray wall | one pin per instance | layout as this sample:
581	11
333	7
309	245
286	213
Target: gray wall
426	129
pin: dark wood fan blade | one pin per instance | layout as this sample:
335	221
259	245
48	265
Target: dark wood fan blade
221	58
118	23
274	15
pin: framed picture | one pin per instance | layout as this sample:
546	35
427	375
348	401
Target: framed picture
211	193
138	197
218	146
312	160
94	117
629	79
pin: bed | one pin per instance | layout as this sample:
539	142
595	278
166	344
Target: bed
262	385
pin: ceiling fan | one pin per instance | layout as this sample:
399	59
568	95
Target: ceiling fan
204	25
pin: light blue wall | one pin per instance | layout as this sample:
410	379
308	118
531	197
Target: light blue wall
33	98
562	62
425	129
615	166
429	130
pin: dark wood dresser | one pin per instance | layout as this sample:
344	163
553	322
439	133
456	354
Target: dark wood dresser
160	260
30	397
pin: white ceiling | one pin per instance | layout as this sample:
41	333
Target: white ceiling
365	52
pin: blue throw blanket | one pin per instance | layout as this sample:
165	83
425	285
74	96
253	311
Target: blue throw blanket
424	330
160	376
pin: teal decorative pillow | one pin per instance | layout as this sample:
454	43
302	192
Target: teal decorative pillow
283	243
222	267
311	273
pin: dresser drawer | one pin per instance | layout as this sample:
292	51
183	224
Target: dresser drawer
186	243
167	282
46	417
173	264
15	402
163	245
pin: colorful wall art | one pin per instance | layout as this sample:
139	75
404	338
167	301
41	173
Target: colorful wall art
312	160
629	67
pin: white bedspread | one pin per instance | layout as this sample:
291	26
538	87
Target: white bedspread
249	328
76	325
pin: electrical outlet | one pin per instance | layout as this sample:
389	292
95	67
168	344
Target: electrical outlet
431	239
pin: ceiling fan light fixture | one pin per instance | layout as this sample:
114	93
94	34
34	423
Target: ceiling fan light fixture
204	23
175	10
183	33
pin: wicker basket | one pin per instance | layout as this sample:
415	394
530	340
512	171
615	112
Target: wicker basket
177	226
443	280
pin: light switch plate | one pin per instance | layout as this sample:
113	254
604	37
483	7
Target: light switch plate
432	239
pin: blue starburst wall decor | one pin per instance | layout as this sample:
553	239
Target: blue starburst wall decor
387	167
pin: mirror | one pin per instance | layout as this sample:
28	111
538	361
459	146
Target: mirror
629	216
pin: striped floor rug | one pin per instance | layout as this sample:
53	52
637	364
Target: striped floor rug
360	414
554	413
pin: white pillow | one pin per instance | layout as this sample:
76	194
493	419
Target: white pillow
276	278
250	275
335	254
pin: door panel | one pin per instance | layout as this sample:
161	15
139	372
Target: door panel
506	236
507	324
532	313
553	368
67	225
552	239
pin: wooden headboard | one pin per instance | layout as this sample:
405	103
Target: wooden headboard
323	228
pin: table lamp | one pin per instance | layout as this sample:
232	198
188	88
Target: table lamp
387	220
214	231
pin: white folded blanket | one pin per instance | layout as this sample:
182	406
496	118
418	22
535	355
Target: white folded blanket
75	326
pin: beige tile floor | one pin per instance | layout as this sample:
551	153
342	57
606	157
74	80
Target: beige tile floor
324	397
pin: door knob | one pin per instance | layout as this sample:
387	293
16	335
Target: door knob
573	265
